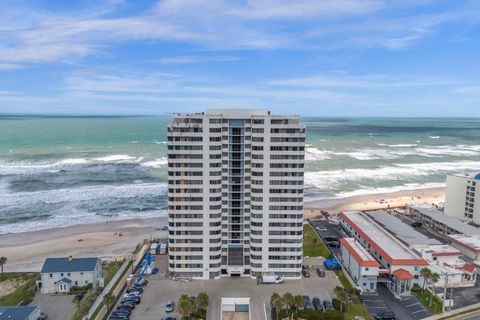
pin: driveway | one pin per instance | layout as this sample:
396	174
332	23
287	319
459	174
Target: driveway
57	307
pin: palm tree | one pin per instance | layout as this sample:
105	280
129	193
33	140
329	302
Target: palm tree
186	306
288	299
202	301
299	302
109	301
425	273
341	296
434	277
277	303
3	261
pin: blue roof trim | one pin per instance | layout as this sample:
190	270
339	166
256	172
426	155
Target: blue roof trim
477	177
65	280
52	265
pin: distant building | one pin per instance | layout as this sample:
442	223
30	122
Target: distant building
468	245
235	194
447	262
438	222
58	275
19	313
399	265
462	198
359	264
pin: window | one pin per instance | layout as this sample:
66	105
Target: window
51	275
61	274
366	269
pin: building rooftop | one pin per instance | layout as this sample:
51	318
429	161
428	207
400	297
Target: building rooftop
401	230
359	253
441	250
389	247
469	242
52	265
241	113
450	222
467	175
16	313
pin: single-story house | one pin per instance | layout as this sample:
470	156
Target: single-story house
59	275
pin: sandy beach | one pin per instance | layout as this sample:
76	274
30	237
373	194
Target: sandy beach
372	201
26	251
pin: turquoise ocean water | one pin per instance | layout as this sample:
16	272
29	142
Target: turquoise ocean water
57	171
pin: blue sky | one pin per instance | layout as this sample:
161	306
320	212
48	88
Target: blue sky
308	57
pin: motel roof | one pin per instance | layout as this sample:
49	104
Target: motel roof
441	250
401	230
440	217
359	253
469	242
389	247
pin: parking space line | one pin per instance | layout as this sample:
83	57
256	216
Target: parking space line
410	305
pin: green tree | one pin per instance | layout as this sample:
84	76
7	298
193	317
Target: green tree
202	301
277	303
434	277
425	273
186	306
288	299
3	261
299	302
109	301
341	296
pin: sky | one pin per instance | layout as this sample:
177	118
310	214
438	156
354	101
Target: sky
404	58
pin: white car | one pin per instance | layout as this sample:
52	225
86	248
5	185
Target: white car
132	294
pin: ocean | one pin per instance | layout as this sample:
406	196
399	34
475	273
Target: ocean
57	171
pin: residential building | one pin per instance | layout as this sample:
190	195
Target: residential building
19	313
448	263
59	275
399	265
235	194
462	197
359	263
438	222
468	245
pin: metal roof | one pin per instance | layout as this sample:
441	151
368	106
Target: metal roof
16	313
401	230
52	265
450	222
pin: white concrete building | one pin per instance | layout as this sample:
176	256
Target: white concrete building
58	275
399	265
235	200
359	264
468	245
462	198
447	262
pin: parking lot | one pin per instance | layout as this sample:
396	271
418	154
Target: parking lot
405	308
160	289
55	306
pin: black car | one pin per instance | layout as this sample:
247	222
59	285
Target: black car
320	273
123	310
327	305
384	315
78	297
134	289
134	299
317	304
330	238
416	224
127	305
307	304
305	272
333	244
119	317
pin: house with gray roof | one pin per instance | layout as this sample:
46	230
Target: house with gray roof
19	313
59	275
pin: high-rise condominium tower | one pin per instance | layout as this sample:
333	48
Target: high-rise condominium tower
235	197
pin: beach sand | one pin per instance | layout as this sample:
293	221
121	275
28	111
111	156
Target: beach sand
372	201
27	251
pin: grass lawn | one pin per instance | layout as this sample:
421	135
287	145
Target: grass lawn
23	294
424	298
312	245
357	309
110	269
344	281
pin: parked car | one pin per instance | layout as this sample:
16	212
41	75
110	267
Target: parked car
127	305
321	229
327	305
154	270
416	224
320	273
384	315
132	294
165	228
307	304
333	244
305	272
78	297
135	289
330	238
169	306
168	318
135	300
43	316
317	304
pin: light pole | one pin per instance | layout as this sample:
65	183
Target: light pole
444	290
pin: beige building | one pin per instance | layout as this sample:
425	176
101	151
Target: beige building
462	198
